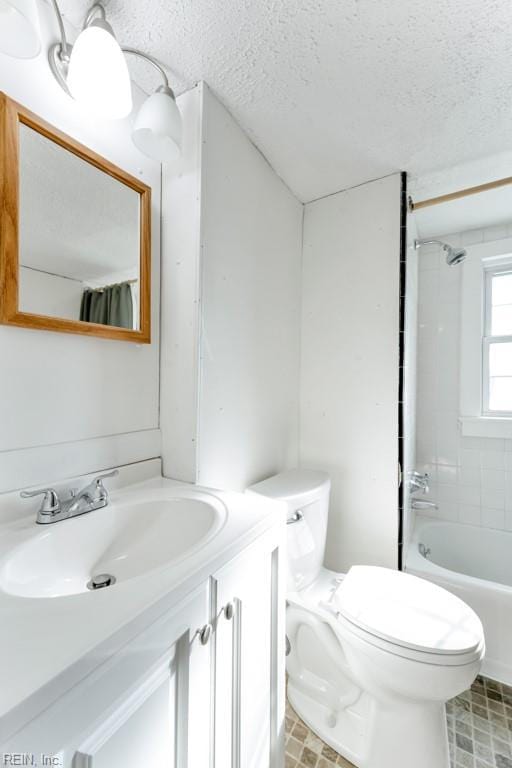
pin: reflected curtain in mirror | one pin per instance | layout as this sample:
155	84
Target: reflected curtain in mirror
112	305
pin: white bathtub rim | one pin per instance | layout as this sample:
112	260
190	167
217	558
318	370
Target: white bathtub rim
417	564
465	585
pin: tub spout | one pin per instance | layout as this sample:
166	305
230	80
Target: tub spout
423	504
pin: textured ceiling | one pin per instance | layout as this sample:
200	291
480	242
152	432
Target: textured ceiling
337	92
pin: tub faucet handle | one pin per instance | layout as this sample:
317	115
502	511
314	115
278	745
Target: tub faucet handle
418	481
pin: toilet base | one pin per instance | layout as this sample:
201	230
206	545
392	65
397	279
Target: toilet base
371	734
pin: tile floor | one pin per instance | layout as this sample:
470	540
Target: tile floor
479	732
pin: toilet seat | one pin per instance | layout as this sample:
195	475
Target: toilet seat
418	619
398	613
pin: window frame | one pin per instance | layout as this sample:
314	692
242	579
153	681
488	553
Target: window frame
488	338
474	422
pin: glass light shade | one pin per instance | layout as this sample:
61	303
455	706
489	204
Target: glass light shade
98	76
19	28
157	129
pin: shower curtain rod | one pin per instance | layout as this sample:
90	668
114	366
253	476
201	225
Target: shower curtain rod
460	193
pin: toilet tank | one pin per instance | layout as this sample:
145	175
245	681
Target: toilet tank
306	492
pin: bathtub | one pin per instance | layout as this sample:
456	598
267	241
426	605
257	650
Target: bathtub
476	565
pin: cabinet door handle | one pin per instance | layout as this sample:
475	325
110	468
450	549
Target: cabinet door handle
204	634
229	610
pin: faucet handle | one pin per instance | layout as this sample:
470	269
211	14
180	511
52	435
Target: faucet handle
419	481
50	504
97	483
114	473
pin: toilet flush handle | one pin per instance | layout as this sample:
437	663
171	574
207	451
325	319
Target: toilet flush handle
296	517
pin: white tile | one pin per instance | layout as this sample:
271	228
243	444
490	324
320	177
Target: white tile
428	290
475	443
471	237
508	520
468	494
493	478
447	475
508	461
469	476
426	449
447	437
508	491
447	493
426	400
429	260
469	514
449	510
470	459
493	498
494	459
447	395
493	518
497	232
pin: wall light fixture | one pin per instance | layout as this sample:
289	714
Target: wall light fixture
19	28
95	73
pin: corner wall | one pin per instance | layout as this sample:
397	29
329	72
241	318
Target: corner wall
231	307
349	366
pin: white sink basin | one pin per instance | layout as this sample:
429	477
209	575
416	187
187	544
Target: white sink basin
125	540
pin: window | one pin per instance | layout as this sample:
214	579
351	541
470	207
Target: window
497	342
486	341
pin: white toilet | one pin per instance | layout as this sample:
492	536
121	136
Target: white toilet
374	654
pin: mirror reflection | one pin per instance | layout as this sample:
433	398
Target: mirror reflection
79	237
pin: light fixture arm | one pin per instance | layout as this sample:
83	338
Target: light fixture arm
64	49
91	13
154	63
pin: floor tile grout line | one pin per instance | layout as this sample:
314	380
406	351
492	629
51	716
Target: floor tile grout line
481	718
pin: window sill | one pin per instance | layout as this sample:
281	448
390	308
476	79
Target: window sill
486	426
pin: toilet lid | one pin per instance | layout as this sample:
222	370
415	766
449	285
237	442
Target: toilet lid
408	611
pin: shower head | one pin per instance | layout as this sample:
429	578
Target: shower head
453	255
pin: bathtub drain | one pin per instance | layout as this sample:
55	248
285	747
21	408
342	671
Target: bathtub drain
101	580
423	550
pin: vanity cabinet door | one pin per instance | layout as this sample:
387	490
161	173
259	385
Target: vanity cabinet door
248	685
164	722
142	730
147	705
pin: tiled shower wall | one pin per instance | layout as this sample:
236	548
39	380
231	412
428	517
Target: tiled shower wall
408	378
471	478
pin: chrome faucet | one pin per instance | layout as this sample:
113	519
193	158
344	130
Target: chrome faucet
52	509
418	482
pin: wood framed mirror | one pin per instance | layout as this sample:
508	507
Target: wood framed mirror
75	235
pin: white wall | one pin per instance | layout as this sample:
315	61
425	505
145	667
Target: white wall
349	366
471	478
77	403
232	251
251	258
181	250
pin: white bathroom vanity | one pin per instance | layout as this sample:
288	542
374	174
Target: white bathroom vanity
179	663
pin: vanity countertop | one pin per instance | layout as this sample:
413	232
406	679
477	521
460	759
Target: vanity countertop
49	644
